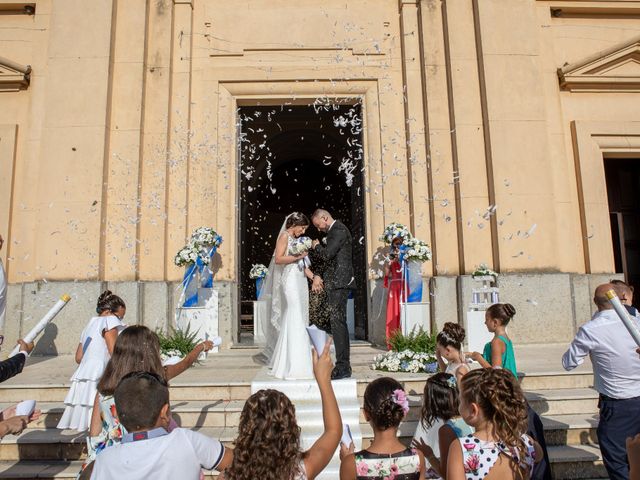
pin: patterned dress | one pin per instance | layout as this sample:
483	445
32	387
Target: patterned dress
404	465
479	456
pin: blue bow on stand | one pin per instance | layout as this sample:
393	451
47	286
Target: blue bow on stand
411	277
190	287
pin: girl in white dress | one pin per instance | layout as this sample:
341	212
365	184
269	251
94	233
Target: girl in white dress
94	350
291	359
449	348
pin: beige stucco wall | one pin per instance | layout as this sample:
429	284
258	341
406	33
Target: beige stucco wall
125	138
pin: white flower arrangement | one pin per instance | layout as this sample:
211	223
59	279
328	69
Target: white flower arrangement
300	246
258	270
167	354
395	230
417	250
405	361
484	271
186	256
201	241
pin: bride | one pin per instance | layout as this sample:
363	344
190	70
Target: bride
287	298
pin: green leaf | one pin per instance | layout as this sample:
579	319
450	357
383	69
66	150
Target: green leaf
182	340
417	341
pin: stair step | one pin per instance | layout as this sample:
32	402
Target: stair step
576	462
570	429
556	380
563	401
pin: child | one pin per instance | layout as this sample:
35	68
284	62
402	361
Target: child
149	450
449	346
385	405
441	403
498	352
268	443
137	348
93	352
492	402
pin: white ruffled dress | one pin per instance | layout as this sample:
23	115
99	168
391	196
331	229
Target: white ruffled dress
84	382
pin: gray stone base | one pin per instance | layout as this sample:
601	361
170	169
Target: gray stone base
550	307
148	303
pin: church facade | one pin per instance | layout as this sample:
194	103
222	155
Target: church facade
500	132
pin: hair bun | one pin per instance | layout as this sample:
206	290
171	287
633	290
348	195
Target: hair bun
509	309
104	295
455	331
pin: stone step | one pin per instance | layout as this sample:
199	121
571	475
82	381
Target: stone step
556	380
576	462
564	401
571	429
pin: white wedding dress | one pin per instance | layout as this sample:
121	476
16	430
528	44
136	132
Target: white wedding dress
291	357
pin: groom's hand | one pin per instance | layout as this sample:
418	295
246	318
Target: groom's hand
315	243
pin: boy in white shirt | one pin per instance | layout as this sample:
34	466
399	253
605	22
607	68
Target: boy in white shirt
148	450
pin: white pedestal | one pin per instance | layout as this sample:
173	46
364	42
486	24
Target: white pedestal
414	315
477	333
305	395
202	320
259	322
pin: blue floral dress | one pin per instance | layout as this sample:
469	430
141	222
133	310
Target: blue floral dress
404	465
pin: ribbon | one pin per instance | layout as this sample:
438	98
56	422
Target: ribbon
411	277
259	282
189	286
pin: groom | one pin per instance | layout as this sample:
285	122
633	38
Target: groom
338	281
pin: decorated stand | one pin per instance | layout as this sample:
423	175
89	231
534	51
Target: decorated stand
198	310
484	294
258	273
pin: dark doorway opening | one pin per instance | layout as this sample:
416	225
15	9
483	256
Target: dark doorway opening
299	158
623	185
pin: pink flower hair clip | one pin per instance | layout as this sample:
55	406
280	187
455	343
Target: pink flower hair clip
399	397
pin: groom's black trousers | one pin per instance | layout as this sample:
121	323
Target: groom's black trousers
337	306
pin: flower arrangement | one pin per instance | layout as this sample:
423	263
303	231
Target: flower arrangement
483	271
413	353
417	250
177	343
405	361
258	270
202	240
300	246
395	230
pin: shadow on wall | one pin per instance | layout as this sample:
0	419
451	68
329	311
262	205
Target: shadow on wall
45	345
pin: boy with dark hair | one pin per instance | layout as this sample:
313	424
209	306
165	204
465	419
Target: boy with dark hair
148	450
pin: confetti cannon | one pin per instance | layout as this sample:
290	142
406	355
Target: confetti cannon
42	324
632	326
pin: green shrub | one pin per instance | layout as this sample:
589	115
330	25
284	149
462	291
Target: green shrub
179	340
416	341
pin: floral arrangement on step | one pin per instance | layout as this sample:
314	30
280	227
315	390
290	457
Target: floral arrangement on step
395	230
202	240
484	271
416	250
177	342
258	270
413	353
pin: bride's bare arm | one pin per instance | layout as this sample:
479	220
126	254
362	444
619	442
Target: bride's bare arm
281	252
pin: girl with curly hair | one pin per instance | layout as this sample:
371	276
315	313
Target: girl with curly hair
492	402
268	443
385	406
440	404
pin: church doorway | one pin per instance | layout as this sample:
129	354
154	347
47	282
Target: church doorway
623	184
299	158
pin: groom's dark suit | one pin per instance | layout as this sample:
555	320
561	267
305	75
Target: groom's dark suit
338	281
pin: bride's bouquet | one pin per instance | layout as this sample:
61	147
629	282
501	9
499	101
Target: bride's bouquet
301	245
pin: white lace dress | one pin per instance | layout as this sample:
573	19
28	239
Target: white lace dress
292	354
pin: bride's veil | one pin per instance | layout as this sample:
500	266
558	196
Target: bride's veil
271	294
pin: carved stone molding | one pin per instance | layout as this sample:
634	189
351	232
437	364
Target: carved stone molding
614	69
13	76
